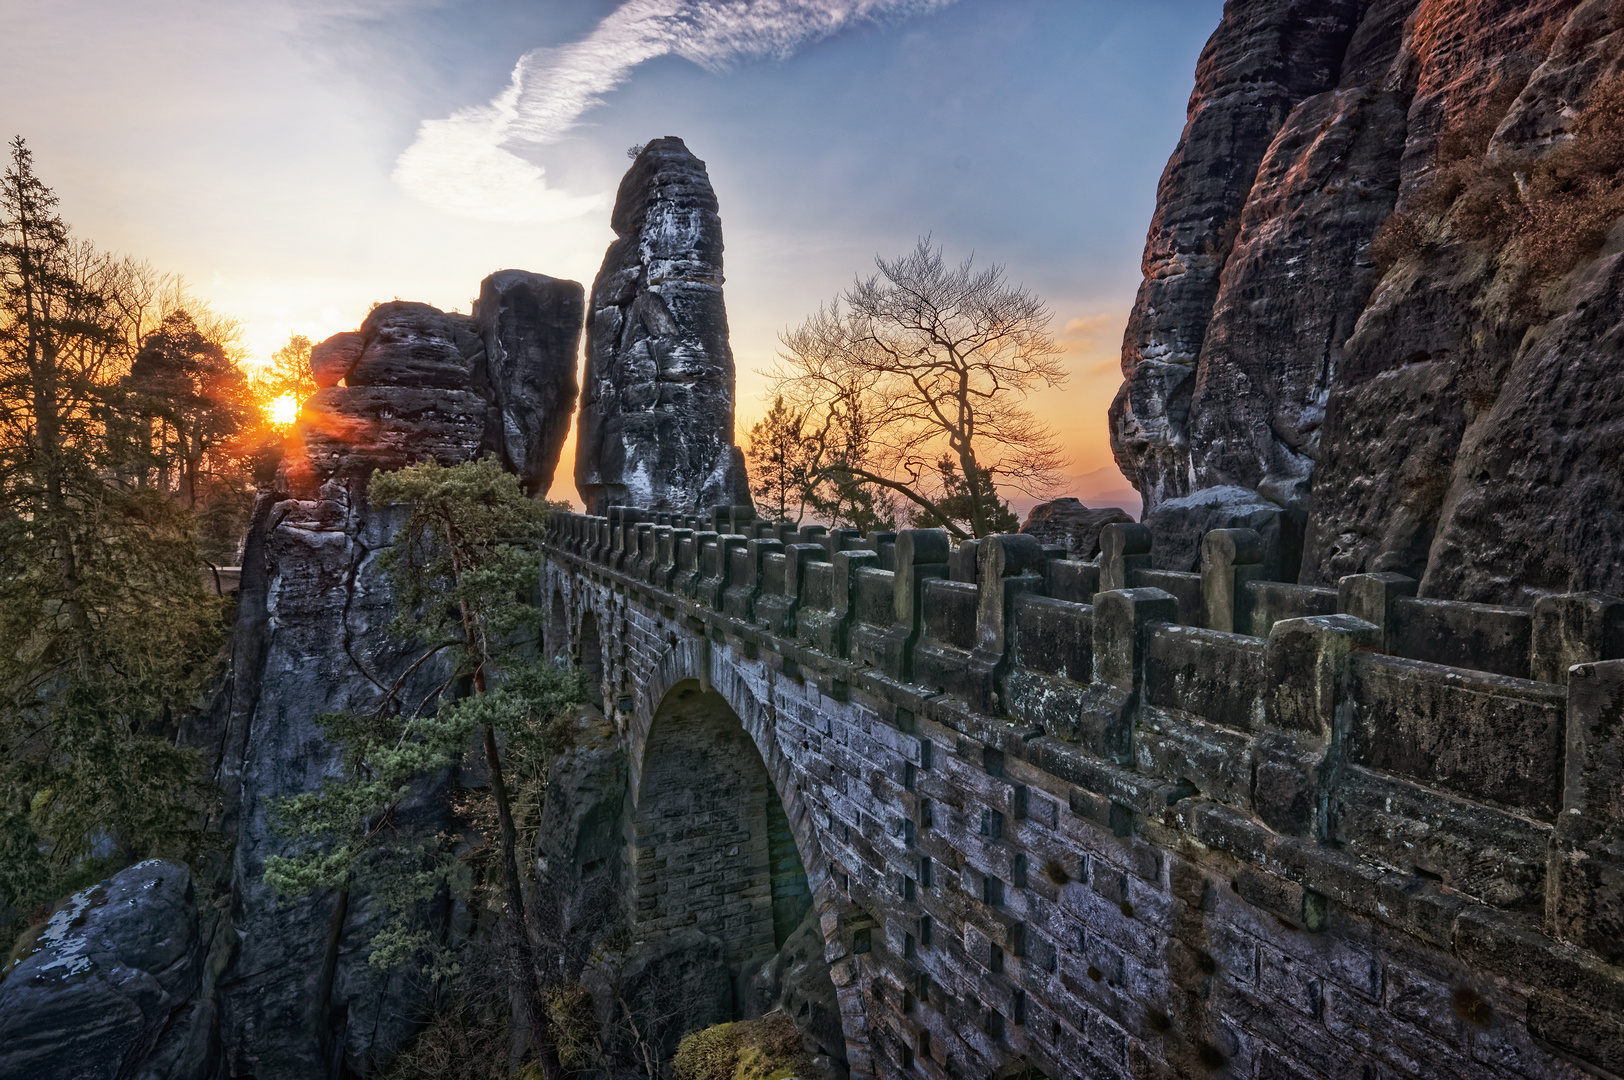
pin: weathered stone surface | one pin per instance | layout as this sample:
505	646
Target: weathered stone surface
580	860
1292	854
1536	500
348	431
412	344
294	1005
797	981
1179	525
659	990
422	383
656	427
1067	521
1290	292
1262	61
300	999
530	325
331	360
1435	416
110	971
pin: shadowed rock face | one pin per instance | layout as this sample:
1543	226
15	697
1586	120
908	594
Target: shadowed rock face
420	381
300	999
1420	416
104	988
657	412
1067	521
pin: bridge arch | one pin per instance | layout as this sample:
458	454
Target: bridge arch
556	635
721	838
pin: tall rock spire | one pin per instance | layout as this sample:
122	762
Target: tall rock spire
656	427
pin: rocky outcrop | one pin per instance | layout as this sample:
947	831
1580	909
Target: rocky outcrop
530	326
656	427
107	986
1376	292
1067	521
1264	59
797	982
580	850
1179	525
503	376
414	383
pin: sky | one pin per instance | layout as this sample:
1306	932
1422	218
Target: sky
298	160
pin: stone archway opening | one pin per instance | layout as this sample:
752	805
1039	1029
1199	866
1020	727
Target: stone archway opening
557	635
717	870
714	847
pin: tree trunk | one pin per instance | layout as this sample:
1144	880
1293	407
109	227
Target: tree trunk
529	1021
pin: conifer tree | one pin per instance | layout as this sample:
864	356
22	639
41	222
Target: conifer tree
463	564
778	456
106	634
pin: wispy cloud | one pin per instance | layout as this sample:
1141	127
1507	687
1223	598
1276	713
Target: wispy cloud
466	164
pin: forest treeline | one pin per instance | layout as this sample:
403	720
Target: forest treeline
130	432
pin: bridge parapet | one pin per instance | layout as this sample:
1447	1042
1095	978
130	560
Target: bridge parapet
1311	742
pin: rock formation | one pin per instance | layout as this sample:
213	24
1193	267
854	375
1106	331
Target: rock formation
107	988
1334	317
299	999
1067	521
656	427
1179	524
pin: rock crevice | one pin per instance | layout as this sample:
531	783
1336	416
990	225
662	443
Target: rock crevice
1332	320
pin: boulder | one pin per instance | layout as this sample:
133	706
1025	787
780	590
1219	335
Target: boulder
656	427
1178	526
670	986
111	971
411	344
1067	521
797	981
331	361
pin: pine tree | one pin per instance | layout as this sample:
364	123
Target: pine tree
196	401
106	634
462	564
288	373
778	457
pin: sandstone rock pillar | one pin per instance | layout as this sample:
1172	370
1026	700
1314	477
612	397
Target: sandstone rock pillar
656	428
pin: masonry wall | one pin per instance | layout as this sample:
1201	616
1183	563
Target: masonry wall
700	850
1096	838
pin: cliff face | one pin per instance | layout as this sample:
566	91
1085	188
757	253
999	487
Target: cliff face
1379	290
656	427
299	998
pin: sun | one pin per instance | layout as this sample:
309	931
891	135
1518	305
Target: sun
282	411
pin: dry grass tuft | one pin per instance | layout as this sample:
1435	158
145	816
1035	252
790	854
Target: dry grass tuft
1576	195
769	1048
1544	215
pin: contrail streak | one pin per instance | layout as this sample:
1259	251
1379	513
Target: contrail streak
465	163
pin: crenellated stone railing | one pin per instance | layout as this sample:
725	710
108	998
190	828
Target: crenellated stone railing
1449	770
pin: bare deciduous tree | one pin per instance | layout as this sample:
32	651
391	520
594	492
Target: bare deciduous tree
941	360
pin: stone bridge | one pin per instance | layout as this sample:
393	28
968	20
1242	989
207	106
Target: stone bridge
1092	819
